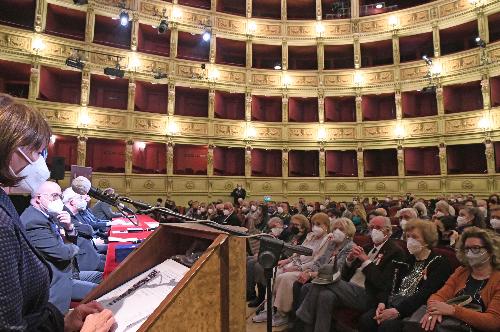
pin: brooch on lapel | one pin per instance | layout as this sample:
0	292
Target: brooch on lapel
378	259
424	273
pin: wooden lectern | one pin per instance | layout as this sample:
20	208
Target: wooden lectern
210	297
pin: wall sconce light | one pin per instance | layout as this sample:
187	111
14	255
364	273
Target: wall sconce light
399	131
320	29
393	21
436	68
38	45
321	134
287	80
251	27
358	78
251	132
176	13
485	123
141	146
134	62
213	74
84	118
172	128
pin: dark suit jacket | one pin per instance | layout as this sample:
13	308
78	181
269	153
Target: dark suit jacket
379	272
88	258
103	210
89	218
232	220
44	235
24	279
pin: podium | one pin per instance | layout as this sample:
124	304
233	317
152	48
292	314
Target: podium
210	297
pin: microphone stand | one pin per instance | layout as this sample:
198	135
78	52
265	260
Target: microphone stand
270	249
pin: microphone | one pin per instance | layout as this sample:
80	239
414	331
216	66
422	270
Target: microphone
301	250
82	186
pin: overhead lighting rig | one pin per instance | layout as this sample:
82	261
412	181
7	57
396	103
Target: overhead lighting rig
124	17
75	60
77	54
163	25
160	75
80	2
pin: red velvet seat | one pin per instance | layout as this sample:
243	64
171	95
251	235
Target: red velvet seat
362	240
449	254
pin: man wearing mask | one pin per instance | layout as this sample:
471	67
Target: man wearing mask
51	231
88	258
404	216
237	193
366	277
309	211
495	218
103	210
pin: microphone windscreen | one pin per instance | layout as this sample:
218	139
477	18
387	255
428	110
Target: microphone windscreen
81	185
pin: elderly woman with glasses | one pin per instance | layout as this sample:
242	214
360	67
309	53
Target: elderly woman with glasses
478	279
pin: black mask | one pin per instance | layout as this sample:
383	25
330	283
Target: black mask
294	230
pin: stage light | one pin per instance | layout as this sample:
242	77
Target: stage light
277	66
427	60
429	89
160	76
176	13
251	27
358	78
38	44
80	2
114	72
479	42
379	5
124	18
75	63
163	26
206	35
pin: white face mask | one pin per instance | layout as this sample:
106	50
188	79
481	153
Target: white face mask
439	214
310	209
377	236
483	210
461	221
322	207
495	223
338	236
210	211
414	246
34	175
81	205
253	208
477	259
226	212
280	209
318	231
403	223
55	207
276	231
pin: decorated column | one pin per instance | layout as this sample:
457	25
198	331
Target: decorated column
442	159
490	156
34	81
170	158
399	109
90	22
248	106
359	111
82	150
131	95
249	53
485	89
357	52
210	160
440	100
436	39
248	161
211	103
401	161
284	108
361	166
134	32
322	162
129	156
40	15
171	98
173	41
284	162
321	106
84	97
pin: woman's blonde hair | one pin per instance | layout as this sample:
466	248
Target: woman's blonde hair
349	227
321	219
304	222
490	242
428	230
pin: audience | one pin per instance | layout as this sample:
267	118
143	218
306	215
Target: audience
102	210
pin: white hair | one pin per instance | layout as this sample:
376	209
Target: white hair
410	211
421	209
381	212
68	195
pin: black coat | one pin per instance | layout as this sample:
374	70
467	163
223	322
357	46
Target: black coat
24	279
238	194
378	273
437	272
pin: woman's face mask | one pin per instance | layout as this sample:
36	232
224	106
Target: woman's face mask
35	174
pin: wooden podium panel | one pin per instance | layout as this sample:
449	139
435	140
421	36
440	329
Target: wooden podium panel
210	297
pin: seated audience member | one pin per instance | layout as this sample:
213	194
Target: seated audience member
159	202
309	212
297	231
495	218
404	215
255	273
99	226
446	227
230	216
219	210
51	231
493	199
442	209
102	210
381	212
422	274
88	258
470	203
346	210
359	218
283	213
479	279
366	278
421	210
211	212
482	205
289	269
469	217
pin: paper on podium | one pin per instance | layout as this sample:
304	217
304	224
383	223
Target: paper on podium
133	302
152	224
120	221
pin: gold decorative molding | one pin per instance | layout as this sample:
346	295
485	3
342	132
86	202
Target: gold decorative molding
462	124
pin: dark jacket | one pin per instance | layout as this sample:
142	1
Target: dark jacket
24	279
242	193
89	218
103	210
88	258
436	274
232	220
379	272
45	236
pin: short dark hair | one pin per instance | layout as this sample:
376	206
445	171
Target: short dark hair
20	126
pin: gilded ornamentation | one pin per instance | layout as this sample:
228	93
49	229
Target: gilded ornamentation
413	73
266	186
232	26
305	80
422	128
458	125
149	8
301	133
107	60
341	186
154	125
303	186
341	133
60	116
338	29
300	30
380	186
373	26
379	77
263	79
269	29
232	76
453	7
15	42
381	131
149	184
467	185
189	185
195	18
104	183
268	132
228	130
465	62
412	19
108	121
192	128
228	186
422	186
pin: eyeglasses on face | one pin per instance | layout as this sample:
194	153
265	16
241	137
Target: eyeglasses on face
473	249
53	197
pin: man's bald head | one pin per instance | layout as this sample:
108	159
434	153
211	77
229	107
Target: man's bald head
48	187
46	193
